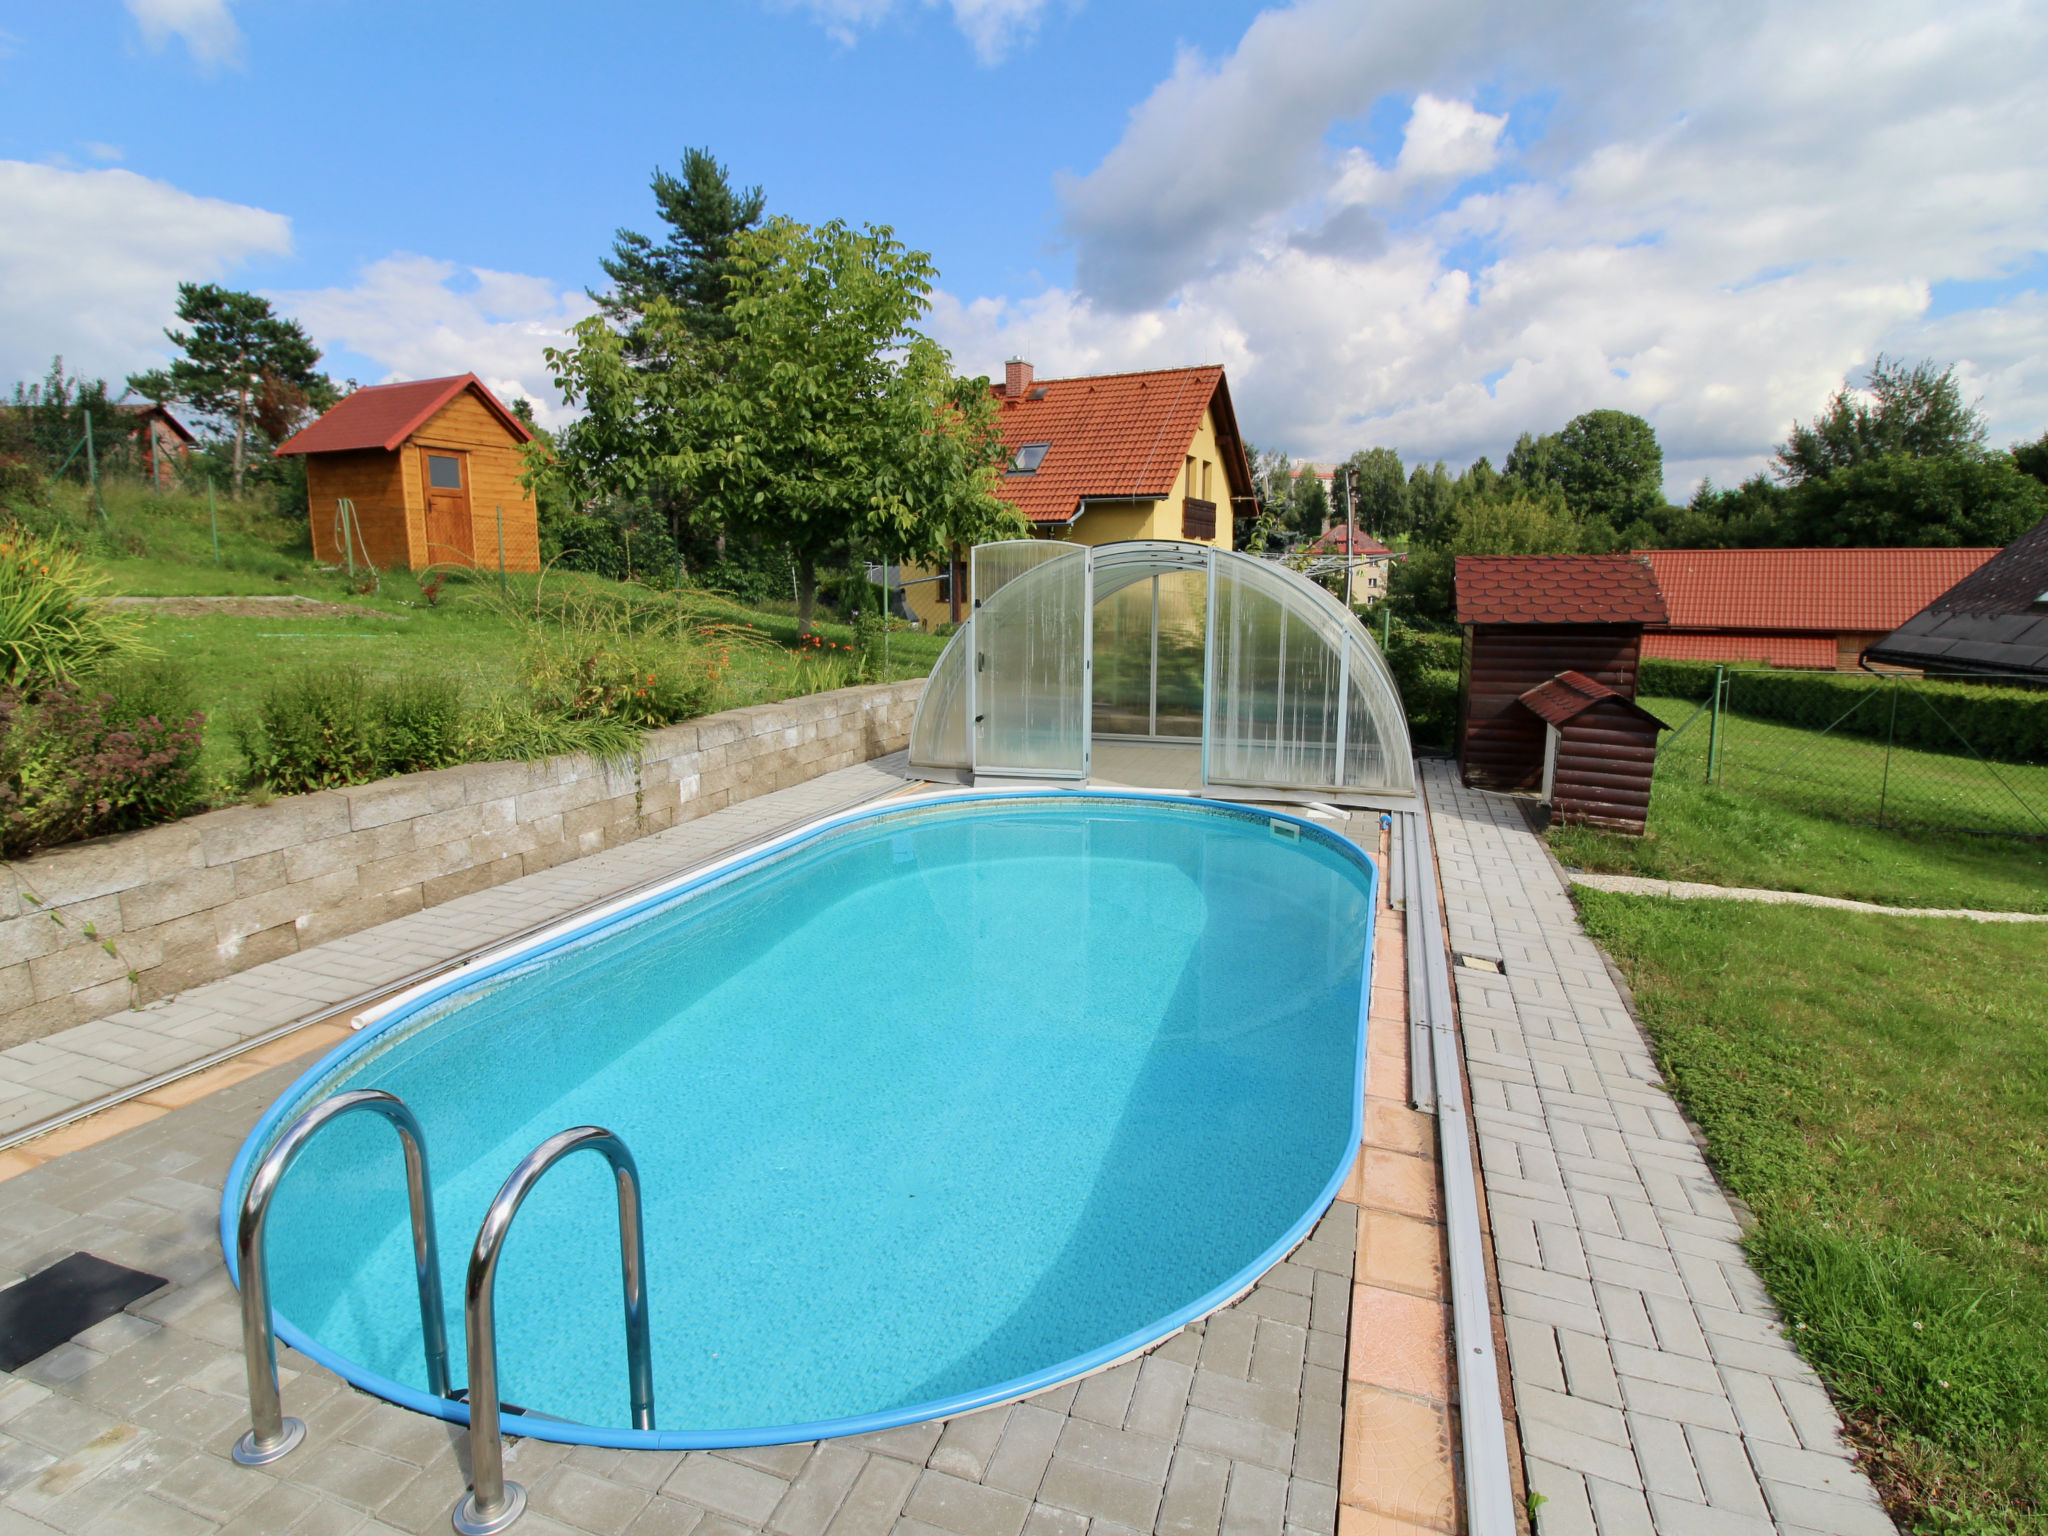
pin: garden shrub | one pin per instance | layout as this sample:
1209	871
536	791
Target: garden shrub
2005	723
419	724
1427	667
314	728
79	762
55	624
645	680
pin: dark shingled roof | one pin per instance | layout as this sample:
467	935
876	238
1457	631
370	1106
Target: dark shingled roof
1558	589
1994	620
1570	694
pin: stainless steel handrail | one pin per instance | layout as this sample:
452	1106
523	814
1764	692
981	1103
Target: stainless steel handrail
492	1503
271	1434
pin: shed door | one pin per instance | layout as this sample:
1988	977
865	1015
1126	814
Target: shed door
445	474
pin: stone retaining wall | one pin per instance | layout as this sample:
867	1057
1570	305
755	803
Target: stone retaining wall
117	922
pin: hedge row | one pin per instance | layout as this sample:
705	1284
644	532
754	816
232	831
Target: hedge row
2004	723
1426	666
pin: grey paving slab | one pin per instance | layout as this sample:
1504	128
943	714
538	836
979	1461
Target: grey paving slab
1231	1425
1654	1387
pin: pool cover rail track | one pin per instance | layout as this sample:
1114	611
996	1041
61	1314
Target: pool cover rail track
272	1435
492	1503
1436	1084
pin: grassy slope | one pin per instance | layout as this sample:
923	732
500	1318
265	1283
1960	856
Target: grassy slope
1877	1090
164	547
1736	833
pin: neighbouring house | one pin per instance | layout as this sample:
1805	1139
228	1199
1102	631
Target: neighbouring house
1526	619
431	470
1808	608
162	442
1371	561
1113	457
1993	620
1599	753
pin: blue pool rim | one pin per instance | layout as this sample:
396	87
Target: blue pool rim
521	952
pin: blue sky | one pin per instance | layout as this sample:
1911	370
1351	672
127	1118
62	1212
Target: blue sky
1424	223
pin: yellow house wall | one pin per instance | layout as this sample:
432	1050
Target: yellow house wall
1109	522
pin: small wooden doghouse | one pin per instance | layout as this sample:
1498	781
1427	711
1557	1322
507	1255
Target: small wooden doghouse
432	470
1599	751
1528	618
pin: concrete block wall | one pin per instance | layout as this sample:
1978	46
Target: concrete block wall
202	898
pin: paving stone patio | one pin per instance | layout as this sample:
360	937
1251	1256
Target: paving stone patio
1233	1427
1654	1387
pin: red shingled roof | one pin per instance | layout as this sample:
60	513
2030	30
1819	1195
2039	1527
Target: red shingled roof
1809	652
1116	435
1557	589
385	415
1333	542
1834	590
1570	694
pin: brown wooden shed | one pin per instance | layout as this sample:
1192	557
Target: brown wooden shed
1599	752
432	468
1528	618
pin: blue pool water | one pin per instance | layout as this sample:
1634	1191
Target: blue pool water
933	1106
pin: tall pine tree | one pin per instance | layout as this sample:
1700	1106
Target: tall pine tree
691	267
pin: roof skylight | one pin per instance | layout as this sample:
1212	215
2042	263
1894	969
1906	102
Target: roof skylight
1028	458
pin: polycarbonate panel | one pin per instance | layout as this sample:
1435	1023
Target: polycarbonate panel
1031	636
1183	616
1123	661
938	734
1376	729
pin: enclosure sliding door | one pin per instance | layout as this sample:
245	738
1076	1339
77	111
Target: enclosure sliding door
1029	683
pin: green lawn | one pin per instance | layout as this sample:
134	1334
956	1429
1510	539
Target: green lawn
1794	833
1876	1090
163	547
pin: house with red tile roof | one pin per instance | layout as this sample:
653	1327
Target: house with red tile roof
1109	457
430	472
1807	608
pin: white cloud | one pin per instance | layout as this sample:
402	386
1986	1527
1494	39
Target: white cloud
993	27
90	263
107	152
419	318
1729	206
206	27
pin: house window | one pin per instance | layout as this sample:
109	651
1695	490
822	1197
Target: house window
444	472
1205	481
1028	458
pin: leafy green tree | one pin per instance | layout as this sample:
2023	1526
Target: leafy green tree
243	365
1521	523
2032	458
1530	460
824	422
1610	468
692	268
1379	491
1430	502
1272	477
1915	411
46	421
1308	504
1900	499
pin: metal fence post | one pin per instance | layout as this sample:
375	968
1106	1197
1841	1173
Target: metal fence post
1714	730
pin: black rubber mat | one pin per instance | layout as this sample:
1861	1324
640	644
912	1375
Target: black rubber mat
57	1305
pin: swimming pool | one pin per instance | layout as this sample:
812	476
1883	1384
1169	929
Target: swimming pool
934	1106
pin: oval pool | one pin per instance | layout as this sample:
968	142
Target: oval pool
934	1106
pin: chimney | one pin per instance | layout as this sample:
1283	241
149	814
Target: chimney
1016	378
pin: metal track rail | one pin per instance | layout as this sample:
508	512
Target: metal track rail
271	1434
1489	1492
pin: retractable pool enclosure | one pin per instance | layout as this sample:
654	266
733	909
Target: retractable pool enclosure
1267	677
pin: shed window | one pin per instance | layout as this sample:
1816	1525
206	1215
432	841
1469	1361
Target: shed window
444	472
1028	458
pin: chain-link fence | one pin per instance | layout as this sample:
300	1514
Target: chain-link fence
1897	751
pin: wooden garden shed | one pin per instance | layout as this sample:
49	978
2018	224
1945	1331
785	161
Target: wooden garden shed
1599	752
432	470
1528	618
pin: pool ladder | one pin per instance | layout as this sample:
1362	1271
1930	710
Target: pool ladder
491	1503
